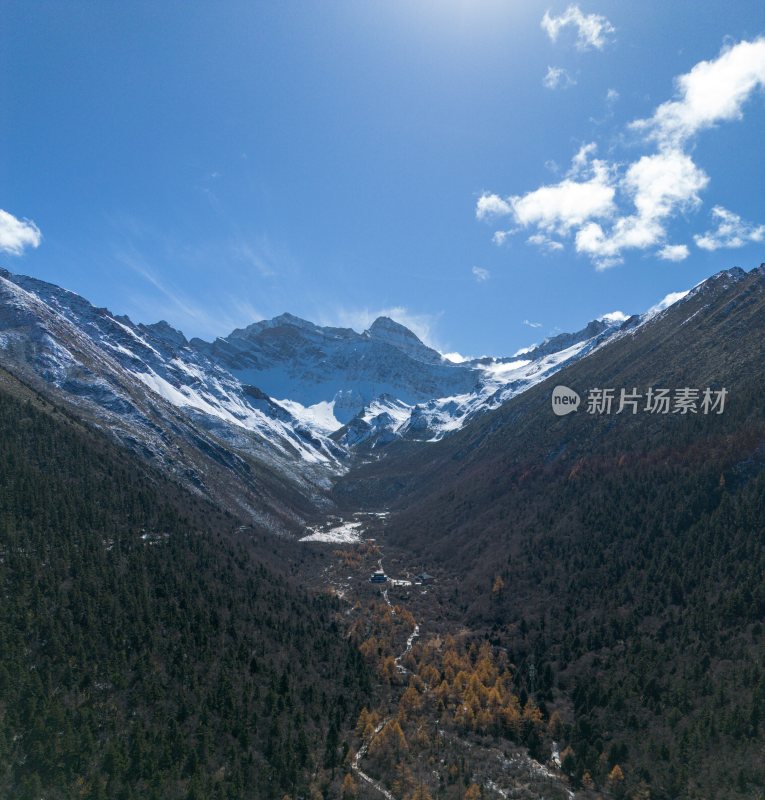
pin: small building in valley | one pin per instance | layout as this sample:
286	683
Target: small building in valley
378	576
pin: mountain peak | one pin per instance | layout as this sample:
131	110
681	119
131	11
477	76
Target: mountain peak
387	330
282	321
289	319
165	332
385	324
718	282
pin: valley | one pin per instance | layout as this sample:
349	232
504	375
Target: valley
404	627
382	400
573	605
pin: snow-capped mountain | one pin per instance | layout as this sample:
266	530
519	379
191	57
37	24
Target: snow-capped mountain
158	396
160	358
336	370
271	411
372	387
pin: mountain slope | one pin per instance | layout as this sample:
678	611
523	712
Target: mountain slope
148	651
156	396
292	359
620	554
205	413
374	387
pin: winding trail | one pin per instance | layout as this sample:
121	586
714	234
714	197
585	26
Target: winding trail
412	636
362	751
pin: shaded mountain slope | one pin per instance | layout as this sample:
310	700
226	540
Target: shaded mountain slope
623	555
147	389
148	650
712	338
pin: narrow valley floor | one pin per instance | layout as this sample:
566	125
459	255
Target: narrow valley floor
446	721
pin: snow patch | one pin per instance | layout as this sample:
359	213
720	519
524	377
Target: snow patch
320	415
347	533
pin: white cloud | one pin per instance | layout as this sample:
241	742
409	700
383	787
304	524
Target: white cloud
581	161
731	231
605	247
614	316
658	185
713	91
612	96
674	252
500	237
17	234
481	274
664	182
587	202
668	301
609	207
558	78
491	205
544	242
592	30
455	357
586	193
557	208
532	324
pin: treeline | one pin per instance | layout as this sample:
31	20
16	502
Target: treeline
144	651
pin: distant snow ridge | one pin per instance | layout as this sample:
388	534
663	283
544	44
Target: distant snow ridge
293	360
89	352
284	389
373	387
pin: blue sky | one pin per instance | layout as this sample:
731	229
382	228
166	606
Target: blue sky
488	172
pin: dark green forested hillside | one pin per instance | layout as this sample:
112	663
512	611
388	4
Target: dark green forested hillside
623	556
143	652
638	591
